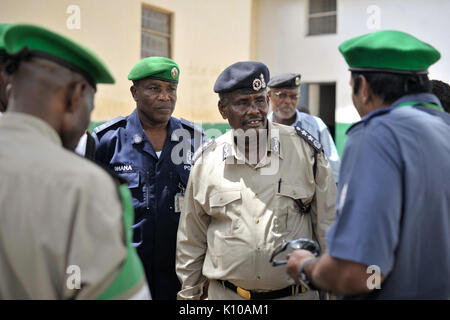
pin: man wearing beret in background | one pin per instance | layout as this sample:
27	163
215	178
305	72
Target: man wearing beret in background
3	76
393	201
284	94
250	190
65	228
152	150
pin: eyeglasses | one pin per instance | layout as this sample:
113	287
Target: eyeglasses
283	95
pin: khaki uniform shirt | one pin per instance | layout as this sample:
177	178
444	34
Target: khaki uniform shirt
236	214
60	216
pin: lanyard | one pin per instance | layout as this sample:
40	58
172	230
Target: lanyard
424	104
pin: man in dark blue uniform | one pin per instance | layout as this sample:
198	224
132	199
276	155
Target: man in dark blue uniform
152	150
391	238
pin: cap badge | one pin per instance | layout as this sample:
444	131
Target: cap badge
257	84
297	81
174	73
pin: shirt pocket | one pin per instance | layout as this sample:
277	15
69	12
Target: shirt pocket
133	181
225	207
288	212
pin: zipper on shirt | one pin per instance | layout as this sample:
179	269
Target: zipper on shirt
147	186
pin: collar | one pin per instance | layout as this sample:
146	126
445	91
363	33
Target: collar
418	98
273	146
28	122
298	117
137	134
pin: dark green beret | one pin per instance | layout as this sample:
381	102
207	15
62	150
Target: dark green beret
159	68
388	51
46	44
3	28
285	80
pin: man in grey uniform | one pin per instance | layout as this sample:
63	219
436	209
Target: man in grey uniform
245	198
284	94
65	223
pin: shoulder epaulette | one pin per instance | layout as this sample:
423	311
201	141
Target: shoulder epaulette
191	125
313	142
109	124
202	149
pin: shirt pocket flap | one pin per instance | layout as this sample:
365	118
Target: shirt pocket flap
295	191
223	198
132	179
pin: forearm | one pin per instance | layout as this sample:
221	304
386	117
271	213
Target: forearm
338	276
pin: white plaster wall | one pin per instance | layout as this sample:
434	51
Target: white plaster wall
284	46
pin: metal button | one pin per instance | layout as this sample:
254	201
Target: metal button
258	278
257	221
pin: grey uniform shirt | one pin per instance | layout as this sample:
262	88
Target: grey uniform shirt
236	214
58	213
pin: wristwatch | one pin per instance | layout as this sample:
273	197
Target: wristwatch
302	275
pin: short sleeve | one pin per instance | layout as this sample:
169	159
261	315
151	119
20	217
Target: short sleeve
369	200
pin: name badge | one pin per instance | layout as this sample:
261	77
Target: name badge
179	202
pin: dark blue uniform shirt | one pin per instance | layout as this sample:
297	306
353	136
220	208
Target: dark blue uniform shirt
394	200
155	183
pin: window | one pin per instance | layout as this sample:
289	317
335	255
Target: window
155	33
320	100
322	17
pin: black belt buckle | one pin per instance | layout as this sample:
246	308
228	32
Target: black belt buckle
276	294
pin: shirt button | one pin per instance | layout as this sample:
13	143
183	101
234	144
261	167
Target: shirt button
257	249
257	221
258	278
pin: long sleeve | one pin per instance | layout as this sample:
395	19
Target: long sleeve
323	208
191	243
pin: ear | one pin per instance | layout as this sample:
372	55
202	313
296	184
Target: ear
133	91
222	109
75	96
364	89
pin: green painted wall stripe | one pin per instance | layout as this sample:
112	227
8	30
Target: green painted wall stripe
340	129
341	136
132	272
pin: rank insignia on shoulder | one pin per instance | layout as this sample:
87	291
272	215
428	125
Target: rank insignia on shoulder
226	151
313	142
192	125
202	149
275	145
109	124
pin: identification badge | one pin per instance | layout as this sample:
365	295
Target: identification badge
179	202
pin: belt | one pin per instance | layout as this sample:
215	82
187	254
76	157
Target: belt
254	295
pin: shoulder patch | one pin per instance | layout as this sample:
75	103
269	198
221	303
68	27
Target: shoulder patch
191	125
202	149
305	135
109	124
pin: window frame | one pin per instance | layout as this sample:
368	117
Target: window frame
169	36
319	15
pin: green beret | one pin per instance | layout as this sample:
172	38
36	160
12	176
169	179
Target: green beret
46	44
159	68
388	51
3	28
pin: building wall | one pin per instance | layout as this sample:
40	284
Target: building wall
207	37
284	46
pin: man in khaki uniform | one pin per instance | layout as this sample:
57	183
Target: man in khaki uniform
242	201
65	225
